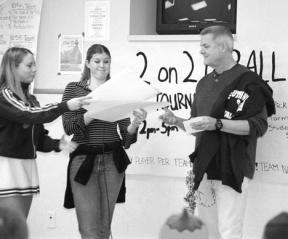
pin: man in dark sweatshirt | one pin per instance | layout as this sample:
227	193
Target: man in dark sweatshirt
230	109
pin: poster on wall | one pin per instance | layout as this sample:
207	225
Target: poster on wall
163	150
19	24
97	20
70	54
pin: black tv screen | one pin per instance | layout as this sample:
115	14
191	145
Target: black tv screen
191	16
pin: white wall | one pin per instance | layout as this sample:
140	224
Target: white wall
151	198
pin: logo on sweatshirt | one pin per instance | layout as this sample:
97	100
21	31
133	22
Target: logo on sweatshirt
235	103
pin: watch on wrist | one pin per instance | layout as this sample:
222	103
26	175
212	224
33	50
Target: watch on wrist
218	124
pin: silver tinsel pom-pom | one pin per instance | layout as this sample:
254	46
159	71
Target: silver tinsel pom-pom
190	196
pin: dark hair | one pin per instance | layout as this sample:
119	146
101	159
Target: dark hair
94	49
10	61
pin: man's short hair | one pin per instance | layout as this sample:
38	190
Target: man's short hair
12	224
220	32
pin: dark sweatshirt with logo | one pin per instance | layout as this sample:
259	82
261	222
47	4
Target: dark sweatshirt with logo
236	94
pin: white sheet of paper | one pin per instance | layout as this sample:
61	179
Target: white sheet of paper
116	110
118	97
189	130
130	89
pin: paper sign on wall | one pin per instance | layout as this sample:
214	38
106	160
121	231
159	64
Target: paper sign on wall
97	20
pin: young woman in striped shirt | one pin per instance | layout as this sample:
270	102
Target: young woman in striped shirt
97	167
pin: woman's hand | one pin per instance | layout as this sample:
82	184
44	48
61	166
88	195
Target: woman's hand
87	118
79	102
139	116
67	145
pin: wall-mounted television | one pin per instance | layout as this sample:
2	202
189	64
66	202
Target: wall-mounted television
191	16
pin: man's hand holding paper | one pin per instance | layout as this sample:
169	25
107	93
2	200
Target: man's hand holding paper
193	125
199	123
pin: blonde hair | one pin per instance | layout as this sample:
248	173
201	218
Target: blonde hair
10	61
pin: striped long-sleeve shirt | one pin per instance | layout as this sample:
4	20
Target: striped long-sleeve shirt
97	132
